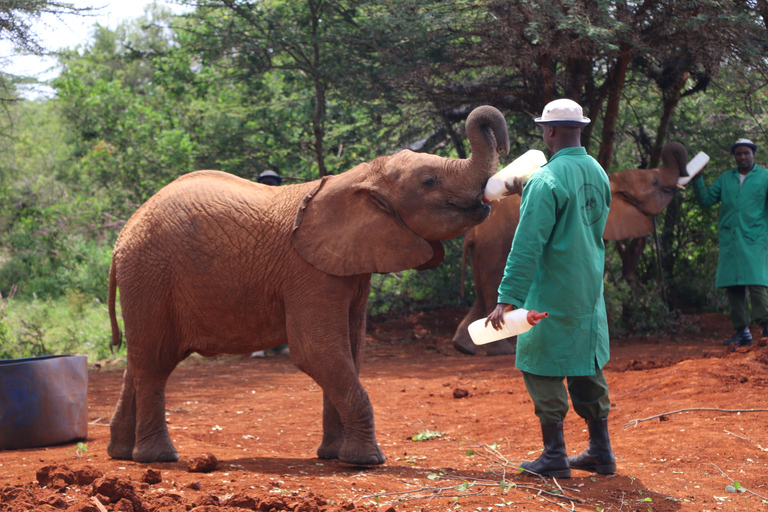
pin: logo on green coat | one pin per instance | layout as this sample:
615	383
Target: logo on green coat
592	204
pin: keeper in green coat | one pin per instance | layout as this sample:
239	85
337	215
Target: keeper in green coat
556	265
743	237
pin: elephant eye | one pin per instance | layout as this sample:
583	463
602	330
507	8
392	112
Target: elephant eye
430	182
656	183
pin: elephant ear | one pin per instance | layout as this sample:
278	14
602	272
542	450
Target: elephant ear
625	221
343	227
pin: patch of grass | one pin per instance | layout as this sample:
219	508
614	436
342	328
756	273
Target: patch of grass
74	324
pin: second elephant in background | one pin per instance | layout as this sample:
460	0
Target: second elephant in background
636	195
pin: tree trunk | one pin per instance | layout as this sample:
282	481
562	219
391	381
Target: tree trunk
458	143
616	82
671	98
318	117
630	257
630	253
671	215
318	120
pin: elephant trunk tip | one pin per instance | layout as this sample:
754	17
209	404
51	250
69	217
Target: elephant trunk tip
489	121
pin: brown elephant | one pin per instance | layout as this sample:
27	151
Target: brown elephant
216	264
636	194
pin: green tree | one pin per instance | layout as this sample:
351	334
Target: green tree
17	20
299	38
129	133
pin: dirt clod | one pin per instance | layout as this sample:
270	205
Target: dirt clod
203	463
460	393
151	476
55	477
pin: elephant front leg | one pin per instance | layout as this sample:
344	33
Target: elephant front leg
348	427
329	342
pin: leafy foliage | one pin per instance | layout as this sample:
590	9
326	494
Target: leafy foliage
426	435
314	87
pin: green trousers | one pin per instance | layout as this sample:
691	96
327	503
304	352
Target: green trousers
589	395
737	297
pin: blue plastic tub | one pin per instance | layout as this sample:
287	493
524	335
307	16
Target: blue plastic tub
43	401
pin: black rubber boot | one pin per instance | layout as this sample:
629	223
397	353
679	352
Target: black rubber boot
741	336
598	457
765	330
554	461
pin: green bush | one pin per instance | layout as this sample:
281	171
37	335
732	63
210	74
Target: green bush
74	324
411	289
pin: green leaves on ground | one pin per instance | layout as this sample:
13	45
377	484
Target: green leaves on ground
426	435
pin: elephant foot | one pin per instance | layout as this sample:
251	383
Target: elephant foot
155	452
361	455
465	346
330	448
121	439
119	451
499	348
155	456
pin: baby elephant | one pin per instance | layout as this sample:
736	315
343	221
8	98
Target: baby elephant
216	264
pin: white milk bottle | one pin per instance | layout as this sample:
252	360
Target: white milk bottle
523	166
516	322
696	164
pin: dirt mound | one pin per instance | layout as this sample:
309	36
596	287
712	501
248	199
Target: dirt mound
61	488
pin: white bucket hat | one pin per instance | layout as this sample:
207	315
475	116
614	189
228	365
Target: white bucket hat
563	112
744	142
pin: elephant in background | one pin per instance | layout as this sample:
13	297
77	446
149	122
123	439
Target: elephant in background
216	264
636	194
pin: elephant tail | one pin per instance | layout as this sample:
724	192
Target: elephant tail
117	336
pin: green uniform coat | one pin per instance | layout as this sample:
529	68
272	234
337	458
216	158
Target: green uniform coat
556	265
743	228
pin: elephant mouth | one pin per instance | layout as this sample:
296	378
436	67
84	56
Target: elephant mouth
478	211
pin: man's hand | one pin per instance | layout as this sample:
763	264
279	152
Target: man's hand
496	318
700	173
514	186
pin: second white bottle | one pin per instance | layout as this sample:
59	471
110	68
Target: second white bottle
516	322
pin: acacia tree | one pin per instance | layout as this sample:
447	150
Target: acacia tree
519	55
17	19
302	39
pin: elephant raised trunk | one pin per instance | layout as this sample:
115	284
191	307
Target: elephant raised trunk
488	137
673	163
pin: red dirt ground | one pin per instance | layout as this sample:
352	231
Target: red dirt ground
261	419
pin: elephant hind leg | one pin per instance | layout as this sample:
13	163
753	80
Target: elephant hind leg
461	339
138	430
502	347
122	427
153	442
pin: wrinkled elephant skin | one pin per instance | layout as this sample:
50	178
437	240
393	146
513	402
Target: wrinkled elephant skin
636	194
216	264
